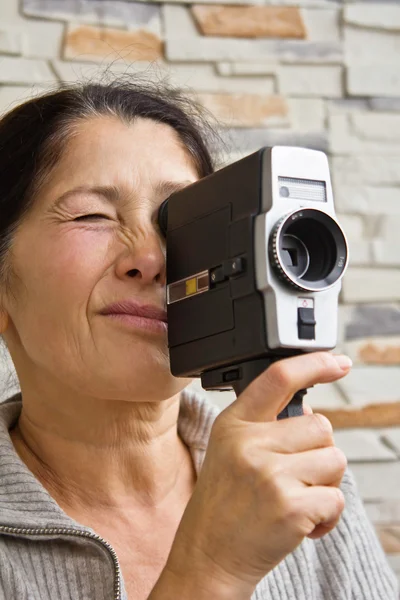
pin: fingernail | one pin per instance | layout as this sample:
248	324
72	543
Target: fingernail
343	361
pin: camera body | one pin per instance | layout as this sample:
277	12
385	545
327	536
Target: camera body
255	258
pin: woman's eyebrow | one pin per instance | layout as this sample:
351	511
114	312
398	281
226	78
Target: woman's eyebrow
166	188
109	192
113	194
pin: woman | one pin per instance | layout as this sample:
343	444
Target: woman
102	496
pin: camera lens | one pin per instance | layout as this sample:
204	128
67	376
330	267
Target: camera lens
308	250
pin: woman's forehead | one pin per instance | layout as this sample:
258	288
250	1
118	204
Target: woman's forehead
108	140
104	151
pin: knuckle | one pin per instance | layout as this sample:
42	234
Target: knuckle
278	375
339	457
323	426
340	499
271	487
290	510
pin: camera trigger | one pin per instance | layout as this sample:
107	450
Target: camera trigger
306	323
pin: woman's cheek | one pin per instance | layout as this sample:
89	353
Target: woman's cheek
83	253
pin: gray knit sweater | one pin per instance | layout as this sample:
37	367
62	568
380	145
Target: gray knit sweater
46	555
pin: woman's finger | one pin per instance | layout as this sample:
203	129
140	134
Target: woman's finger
295	435
324	466
323	505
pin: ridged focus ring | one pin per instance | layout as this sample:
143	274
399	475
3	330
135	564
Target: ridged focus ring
308	250
274	257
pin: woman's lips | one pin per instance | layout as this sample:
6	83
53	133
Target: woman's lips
151	325
139	316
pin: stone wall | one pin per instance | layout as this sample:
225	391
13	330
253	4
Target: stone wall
323	74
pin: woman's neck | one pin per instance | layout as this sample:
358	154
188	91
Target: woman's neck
112	455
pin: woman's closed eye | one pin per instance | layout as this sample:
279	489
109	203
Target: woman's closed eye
92	216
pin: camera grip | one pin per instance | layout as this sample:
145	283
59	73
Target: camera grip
241	375
295	406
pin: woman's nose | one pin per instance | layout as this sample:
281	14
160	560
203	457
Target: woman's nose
146	261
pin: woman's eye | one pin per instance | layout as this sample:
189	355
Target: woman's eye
92	216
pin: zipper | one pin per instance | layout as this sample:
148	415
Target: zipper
75	533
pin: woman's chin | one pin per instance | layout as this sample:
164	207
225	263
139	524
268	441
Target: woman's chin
140	386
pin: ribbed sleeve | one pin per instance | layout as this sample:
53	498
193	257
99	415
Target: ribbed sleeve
346	564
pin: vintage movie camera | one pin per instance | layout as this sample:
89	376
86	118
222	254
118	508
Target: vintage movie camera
255	258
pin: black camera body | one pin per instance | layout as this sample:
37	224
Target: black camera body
255	259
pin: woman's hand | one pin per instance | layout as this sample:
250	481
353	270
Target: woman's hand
265	484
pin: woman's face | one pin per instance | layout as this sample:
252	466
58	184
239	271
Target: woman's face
69	267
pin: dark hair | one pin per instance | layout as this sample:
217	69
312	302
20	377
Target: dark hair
34	134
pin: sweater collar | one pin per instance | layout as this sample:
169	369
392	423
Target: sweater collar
25	503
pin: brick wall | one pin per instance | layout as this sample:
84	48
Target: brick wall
323	74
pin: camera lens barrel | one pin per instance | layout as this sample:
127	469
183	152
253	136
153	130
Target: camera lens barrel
308	250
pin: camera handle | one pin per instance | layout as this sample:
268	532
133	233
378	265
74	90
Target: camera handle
239	376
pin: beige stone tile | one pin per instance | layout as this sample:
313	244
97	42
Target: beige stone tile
372	415
374	350
247	110
85	42
249	21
